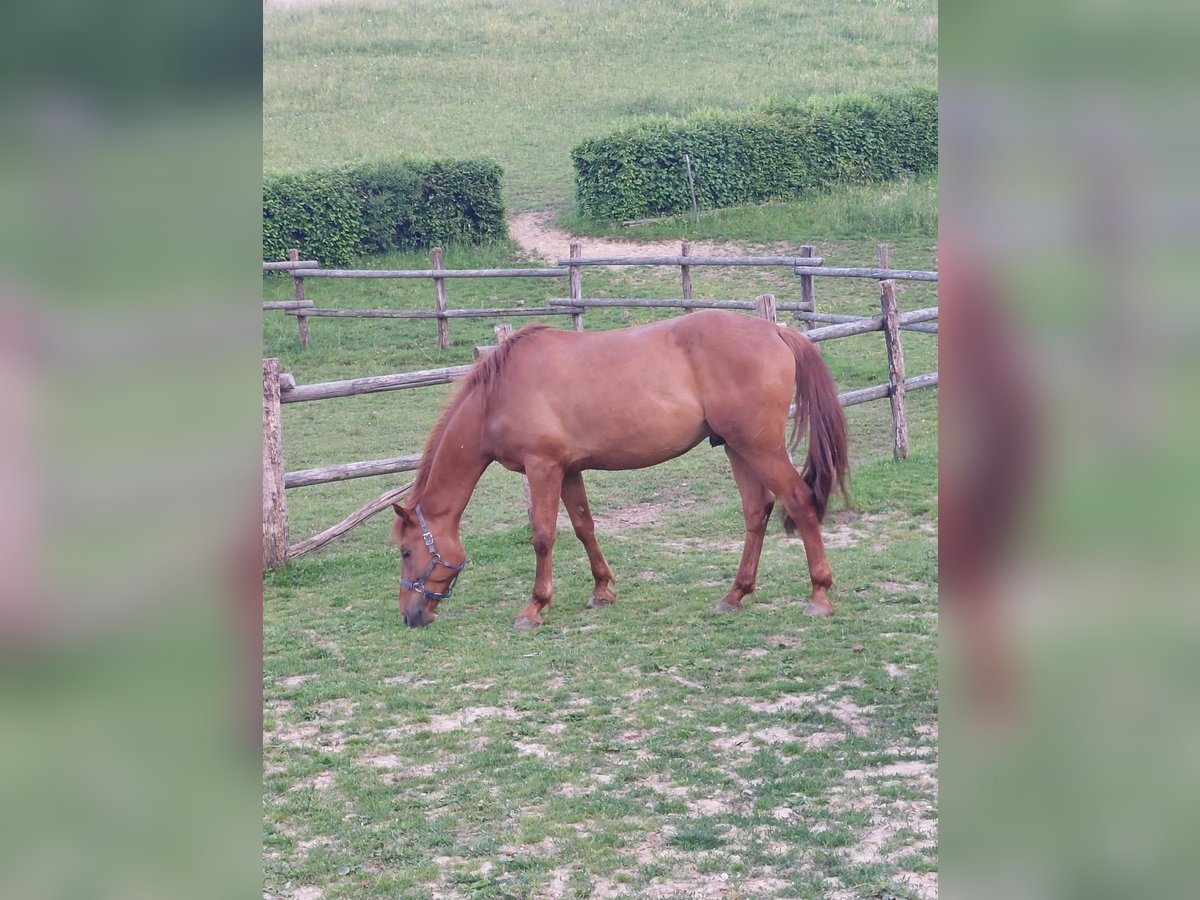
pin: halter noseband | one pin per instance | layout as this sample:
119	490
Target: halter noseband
435	561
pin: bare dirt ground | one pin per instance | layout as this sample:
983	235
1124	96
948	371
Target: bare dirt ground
540	240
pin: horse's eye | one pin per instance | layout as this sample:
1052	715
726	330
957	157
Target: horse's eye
405	553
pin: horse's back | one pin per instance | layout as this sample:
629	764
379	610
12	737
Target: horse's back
637	396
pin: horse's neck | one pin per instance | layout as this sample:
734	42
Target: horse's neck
457	464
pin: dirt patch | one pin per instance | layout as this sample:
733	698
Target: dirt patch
849	529
821	740
454	721
708	806
539	239
688	882
335	710
851	715
903	587
914	768
656	784
322	781
639	516
306	846
784	641
308	736
392	761
785	703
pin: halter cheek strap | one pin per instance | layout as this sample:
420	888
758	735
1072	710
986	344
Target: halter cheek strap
434	561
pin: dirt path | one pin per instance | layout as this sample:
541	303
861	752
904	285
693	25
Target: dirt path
541	240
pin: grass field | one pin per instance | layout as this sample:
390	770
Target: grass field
524	82
653	748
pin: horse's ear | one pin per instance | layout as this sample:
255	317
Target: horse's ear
403	513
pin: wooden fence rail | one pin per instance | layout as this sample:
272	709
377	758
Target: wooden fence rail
352	387
805	265
346	471
428	313
668	303
867	324
686	259
289	265
433	273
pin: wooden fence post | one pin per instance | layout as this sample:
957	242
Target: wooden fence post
576	293
807	298
274	499
765	304
301	319
895	354
439	289
685	249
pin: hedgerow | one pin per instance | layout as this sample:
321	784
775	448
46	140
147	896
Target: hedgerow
402	204
780	152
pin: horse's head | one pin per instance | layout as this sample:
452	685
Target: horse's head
428	569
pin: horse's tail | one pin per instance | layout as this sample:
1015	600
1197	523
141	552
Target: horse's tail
818	410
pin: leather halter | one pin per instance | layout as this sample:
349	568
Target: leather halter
435	561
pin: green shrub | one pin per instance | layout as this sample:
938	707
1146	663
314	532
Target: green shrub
316	212
400	204
410	204
780	152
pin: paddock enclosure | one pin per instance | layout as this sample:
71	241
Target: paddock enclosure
654	748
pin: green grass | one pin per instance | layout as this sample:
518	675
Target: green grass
646	745
654	747
523	83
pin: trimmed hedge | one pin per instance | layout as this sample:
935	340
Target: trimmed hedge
403	204
781	152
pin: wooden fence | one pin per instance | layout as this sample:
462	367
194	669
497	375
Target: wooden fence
571	267
279	389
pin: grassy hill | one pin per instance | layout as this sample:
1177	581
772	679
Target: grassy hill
524	82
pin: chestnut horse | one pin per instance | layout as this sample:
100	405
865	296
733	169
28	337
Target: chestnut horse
553	403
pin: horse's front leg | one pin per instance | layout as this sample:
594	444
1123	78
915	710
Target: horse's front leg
575	500
545	484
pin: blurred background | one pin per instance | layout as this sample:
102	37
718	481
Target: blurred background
130	169
129	582
1070	730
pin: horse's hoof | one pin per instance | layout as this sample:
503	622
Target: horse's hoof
817	610
724	607
595	602
524	624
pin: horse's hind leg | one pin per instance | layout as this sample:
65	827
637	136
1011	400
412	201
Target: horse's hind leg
545	482
757	504
575	499
780	476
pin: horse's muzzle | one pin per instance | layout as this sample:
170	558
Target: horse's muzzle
418	619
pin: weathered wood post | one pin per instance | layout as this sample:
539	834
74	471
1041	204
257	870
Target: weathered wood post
576	292
301	319
765	307
895	355
439	289
274	500
685	249
807	297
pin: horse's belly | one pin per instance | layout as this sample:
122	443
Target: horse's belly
638	442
